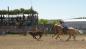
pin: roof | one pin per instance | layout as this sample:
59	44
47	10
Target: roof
74	20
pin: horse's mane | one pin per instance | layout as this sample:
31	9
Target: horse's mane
57	27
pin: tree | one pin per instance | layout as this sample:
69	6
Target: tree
22	10
18	11
55	22
43	21
26	11
3	12
14	12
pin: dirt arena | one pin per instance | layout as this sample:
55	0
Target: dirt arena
47	42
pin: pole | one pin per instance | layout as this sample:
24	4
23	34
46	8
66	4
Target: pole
8	11
8	16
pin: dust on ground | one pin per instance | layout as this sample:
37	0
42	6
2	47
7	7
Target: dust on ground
47	42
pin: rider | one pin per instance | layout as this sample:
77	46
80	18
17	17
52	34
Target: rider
65	27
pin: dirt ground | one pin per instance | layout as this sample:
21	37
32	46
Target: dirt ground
47	42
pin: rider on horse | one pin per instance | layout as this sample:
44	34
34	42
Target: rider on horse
65	27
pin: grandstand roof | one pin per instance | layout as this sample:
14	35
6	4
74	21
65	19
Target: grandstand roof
74	20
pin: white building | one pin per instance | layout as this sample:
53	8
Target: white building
77	23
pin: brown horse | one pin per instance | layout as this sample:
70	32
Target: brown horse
59	31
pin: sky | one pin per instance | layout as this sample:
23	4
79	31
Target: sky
50	9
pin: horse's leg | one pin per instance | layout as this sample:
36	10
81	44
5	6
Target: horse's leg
68	38
54	35
74	37
33	37
58	36
39	36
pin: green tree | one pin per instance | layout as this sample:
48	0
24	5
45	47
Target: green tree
22	10
43	21
55	22
16	11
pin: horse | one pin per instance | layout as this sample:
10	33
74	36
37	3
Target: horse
72	32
